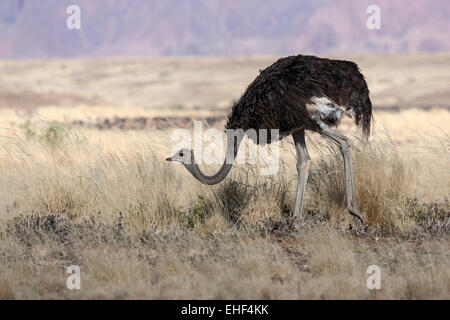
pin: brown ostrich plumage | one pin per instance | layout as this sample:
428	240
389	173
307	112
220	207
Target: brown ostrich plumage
278	97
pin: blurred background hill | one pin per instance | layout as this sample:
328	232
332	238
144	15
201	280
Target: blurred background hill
37	29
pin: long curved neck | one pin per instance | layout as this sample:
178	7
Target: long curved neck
232	150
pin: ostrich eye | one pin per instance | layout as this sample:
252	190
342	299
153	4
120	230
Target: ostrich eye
181	153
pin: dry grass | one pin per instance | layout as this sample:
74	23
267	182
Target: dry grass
142	228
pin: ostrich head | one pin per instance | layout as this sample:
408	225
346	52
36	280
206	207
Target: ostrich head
185	156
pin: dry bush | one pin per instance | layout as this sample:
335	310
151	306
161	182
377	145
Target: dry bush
383	182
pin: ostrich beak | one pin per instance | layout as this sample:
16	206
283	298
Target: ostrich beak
169	159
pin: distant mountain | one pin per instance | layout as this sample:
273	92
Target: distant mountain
37	28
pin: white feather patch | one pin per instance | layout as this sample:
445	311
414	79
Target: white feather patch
323	108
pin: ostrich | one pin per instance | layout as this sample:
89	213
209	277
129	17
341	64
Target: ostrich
295	94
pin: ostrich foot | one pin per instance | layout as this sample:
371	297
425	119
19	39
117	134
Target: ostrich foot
355	212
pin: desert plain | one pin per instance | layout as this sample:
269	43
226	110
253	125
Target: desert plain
83	182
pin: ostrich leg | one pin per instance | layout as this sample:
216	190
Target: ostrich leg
346	145
303	166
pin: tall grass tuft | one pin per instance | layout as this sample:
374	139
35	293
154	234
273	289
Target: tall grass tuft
382	182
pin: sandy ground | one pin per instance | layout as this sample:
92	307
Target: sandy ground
396	81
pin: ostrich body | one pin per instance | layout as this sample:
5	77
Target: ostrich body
295	94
